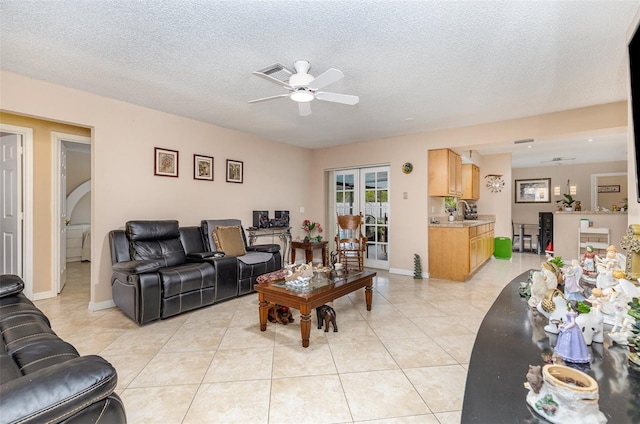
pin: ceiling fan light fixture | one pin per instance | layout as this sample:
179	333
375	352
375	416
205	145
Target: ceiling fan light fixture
301	96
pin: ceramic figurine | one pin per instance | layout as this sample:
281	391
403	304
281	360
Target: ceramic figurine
591	324
541	282
571	345
554	308
534	378
621	329
612	262
566	396
589	262
572	289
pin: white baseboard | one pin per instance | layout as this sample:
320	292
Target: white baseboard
406	272
101	305
43	295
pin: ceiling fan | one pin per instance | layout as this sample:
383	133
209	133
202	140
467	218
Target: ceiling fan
303	87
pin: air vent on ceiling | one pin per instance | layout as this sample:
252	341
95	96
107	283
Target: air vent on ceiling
276	71
526	140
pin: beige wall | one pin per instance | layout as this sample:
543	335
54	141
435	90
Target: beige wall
42	188
123	184
607	200
409	218
579	174
125	188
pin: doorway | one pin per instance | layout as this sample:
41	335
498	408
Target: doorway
16	203
366	191
71	184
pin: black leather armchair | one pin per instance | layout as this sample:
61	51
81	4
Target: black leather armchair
43	378
258	260
152	278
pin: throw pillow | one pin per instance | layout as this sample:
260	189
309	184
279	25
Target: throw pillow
229	240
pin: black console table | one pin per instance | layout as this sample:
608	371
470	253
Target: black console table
509	339
283	234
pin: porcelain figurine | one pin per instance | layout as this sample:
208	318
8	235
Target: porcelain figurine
534	378
592	324
606	266
541	282
567	396
554	308
588	262
571	345
621	329
572	275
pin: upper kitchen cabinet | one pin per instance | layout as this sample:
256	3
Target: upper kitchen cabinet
445	173
470	182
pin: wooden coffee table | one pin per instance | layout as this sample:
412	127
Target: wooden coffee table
305	299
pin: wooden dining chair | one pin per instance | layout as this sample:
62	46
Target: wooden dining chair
350	243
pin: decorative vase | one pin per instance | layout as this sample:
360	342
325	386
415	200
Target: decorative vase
568	208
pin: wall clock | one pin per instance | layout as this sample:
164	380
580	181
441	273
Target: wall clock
407	167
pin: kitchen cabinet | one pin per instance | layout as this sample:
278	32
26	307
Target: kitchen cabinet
456	253
470	182
445	173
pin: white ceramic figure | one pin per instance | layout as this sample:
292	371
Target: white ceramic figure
588	262
607	265
591	324
554	307
541	282
559	401
621	329
572	275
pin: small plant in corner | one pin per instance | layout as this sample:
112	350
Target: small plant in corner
567	202
417	267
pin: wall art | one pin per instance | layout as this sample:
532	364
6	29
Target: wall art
166	162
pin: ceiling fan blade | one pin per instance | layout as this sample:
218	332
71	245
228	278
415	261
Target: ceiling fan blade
304	108
328	77
346	99
268	98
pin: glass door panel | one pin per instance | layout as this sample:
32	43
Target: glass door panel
376	212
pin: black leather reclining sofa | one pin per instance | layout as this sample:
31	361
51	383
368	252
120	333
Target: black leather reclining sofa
161	270
43	379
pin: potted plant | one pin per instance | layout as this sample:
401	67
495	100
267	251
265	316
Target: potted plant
567	202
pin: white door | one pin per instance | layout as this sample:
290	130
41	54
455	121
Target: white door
11	203
374	195
62	257
366	191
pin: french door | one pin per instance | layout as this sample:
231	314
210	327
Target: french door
366	191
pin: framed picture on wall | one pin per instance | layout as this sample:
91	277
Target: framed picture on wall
608	189
533	191
166	162
235	171
202	167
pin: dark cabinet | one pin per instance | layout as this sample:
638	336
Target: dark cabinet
545	230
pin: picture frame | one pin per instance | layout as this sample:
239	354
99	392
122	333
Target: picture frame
202	167
235	171
165	162
608	189
533	190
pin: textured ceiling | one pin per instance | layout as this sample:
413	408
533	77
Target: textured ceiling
416	65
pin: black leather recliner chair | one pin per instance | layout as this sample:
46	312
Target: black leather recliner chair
258	260
152	278
43	378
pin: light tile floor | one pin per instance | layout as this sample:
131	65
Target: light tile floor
405	361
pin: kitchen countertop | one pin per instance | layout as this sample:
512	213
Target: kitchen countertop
461	224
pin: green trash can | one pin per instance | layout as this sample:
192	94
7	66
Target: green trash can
502	248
